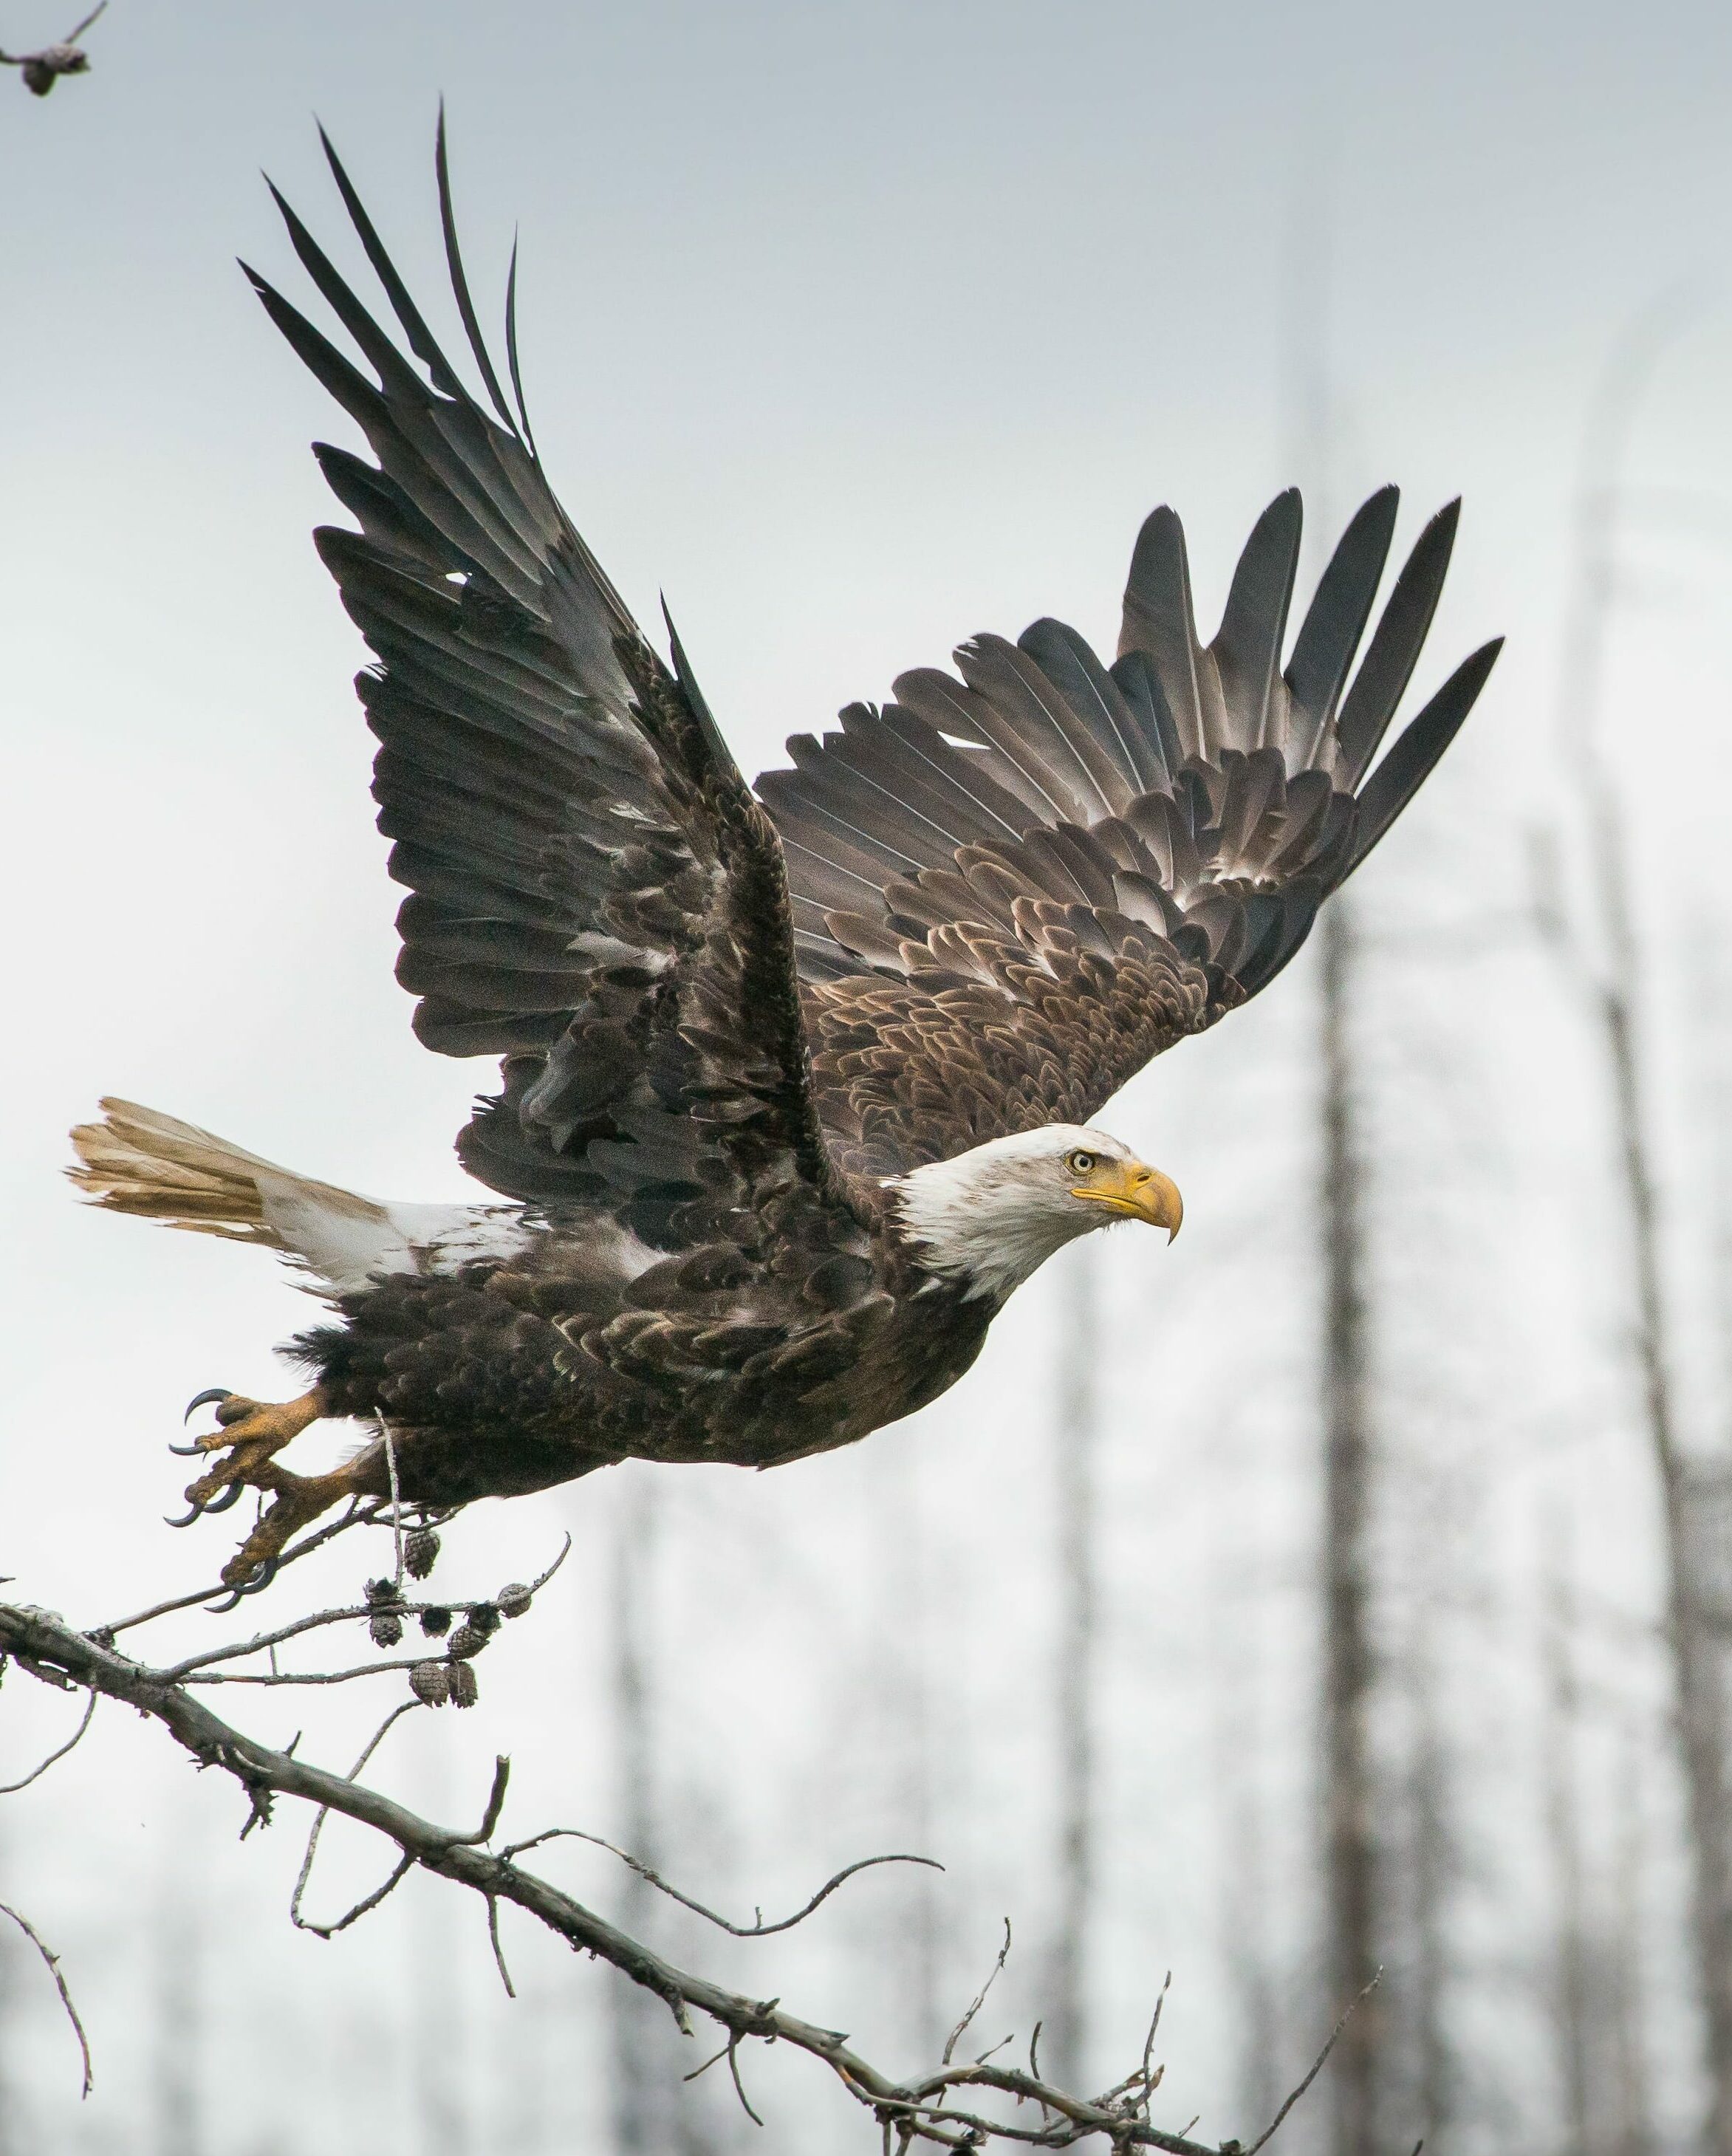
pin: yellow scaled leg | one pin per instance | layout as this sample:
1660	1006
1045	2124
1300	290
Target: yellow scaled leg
300	1500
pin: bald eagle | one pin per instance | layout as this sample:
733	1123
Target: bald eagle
798	1081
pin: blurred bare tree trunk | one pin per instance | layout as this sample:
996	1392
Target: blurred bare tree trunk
1695	1654
1698	1678
1433	1867
1238	1744
1631	2098
179	2011
653	2112
1348	1793
1597	1994
1572	2016
639	2120
438	1976
1079	1434
904	1663
1350	1848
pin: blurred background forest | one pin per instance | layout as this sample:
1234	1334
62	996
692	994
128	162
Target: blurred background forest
1348	1586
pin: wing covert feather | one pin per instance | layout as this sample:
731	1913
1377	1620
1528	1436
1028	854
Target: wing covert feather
1077	865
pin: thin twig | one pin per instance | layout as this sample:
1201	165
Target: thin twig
361	1514
496	1805
541	1579
396	1509
739	2086
956	2034
505	1974
372	1901
399	1871
12	1789
299	1677
53	1959
760	1930
349	1612
1342	2020
177	1672
1148	2084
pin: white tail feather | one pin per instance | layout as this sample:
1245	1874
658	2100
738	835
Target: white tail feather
137	1160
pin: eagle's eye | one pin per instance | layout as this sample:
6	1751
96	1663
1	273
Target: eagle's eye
1080	1164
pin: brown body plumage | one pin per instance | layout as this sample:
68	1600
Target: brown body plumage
518	1376
796	1083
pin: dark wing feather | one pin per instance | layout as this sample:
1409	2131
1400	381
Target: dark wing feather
595	896
1253	628
1015	890
1330	632
1369	704
1396	781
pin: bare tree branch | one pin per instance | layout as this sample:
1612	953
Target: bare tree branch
1342	2020
363	1514
757	1930
979	2000
12	1789
505	1974
924	2111
397	1606
372	1901
53	1959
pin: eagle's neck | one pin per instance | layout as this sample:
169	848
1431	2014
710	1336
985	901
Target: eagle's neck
976	1220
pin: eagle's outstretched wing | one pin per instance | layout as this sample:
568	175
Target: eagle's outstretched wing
1012	889
594	893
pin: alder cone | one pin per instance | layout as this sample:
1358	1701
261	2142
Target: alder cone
420	1553
431	1683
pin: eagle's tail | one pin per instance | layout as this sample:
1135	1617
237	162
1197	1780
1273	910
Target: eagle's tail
137	1160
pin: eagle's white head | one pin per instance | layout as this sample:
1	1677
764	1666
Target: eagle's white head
996	1213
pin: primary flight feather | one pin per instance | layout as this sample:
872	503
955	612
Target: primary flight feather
798	1082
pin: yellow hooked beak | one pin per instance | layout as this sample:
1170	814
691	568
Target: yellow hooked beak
1127	1187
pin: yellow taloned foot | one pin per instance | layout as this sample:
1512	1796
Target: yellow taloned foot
300	1500
249	1433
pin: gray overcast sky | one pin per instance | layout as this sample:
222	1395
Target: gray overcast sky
856	329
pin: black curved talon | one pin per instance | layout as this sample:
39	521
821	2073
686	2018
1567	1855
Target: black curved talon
221	1503
214	1394
266	1573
